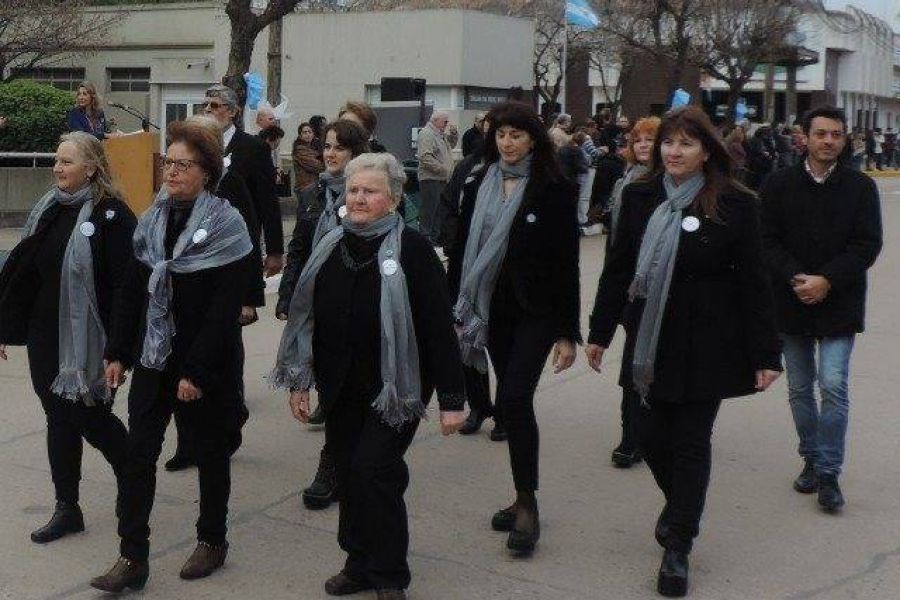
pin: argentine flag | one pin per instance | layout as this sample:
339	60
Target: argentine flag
580	14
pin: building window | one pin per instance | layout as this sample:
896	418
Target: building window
129	80
61	78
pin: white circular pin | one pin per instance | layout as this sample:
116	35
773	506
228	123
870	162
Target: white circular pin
690	224
530	217
342	211
389	267
199	236
110	214
87	229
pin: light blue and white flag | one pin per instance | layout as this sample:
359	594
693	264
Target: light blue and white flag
680	98
580	14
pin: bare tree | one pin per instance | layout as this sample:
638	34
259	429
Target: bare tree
38	32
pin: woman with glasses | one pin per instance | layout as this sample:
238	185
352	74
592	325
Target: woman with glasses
178	328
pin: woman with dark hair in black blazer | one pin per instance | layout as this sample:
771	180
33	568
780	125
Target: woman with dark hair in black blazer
514	272
685	278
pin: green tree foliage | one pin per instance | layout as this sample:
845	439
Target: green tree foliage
36	116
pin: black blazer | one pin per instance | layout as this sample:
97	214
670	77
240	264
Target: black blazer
833	230
719	324
309	208
234	189
114	225
346	340
542	257
251	158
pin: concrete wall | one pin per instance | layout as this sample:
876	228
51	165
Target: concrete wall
20	189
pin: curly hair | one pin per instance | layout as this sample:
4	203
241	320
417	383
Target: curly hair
205	143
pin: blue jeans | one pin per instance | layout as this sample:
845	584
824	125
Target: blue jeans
822	433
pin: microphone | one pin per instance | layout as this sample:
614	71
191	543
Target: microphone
122	106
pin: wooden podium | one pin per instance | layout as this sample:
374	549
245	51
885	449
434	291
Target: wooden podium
134	162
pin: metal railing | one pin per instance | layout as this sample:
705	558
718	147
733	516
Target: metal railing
34	157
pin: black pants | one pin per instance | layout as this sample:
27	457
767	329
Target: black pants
149	412
630	405
675	441
68	422
519	347
372	478
478	392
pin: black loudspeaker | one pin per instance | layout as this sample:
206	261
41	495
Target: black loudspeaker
399	89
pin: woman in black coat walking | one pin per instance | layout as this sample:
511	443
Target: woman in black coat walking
370	323
514	273
686	279
58	293
184	296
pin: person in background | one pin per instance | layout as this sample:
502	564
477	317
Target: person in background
363	115
736	144
307	160
265	118
890	147
878	149
272	137
80	231
452	135
473	138
88	116
610	168
858	149
435	165
560	132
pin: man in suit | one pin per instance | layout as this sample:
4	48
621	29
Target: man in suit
252	159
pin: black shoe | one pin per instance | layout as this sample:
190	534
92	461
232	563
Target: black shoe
66	519
526	530
498	433
342	585
830	497
180	461
473	422
625	456
323	490
673	574
504	519
124	574
317	417
661	532
807	482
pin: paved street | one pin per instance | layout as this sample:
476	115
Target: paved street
760	539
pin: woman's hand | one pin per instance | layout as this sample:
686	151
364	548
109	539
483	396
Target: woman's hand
594	354
299	403
765	378
3	352
115	374
563	355
248	315
187	391
281	316
451	421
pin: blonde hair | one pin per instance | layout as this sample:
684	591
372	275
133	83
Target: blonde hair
90	151
93	109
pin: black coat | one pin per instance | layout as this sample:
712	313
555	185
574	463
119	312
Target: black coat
251	158
234	189
347	335
541	259
309	208
472	141
719	324
114	225
833	230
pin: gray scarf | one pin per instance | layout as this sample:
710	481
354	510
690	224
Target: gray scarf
632	174
82	338
653	274
215	235
400	398
335	198
485	250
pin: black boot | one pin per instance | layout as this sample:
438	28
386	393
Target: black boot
661	532
66	519
625	456
830	497
498	433
473	422
125	573
807	482
527	527
504	519
323	490
180	461
673	574
317	417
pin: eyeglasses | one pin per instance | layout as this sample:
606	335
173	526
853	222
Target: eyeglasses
181	165
215	105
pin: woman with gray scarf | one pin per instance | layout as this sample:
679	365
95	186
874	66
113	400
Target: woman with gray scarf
58	295
177	326
514	272
370	326
685	278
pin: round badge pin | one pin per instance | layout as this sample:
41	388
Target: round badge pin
389	267
87	229
342	212
530	218
199	236
110	214
690	224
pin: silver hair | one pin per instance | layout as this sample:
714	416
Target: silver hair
223	93
563	118
438	114
385	164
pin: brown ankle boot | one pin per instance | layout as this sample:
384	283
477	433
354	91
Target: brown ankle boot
205	560
124	574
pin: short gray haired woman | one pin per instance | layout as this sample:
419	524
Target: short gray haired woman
58	290
370	326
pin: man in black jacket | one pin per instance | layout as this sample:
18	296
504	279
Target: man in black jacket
821	233
251	158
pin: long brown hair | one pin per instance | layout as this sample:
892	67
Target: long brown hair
93	109
719	168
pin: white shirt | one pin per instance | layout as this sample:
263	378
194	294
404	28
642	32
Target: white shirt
227	135
816	178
